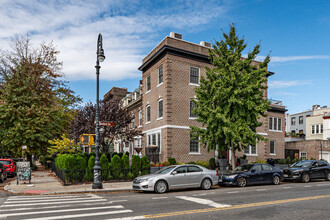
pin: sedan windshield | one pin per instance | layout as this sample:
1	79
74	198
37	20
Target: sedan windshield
165	170
5	162
244	168
302	164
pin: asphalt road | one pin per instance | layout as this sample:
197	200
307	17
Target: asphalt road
286	201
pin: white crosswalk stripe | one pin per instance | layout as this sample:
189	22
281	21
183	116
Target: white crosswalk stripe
60	207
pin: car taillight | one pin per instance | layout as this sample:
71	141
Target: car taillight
217	174
0	170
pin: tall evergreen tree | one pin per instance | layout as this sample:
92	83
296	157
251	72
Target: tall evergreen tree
230	99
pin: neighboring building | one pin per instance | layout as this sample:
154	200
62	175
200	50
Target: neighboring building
296	127
316	141
296	123
132	103
170	73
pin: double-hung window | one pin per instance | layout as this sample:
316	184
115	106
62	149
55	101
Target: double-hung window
275	124
148	113
194	145
250	150
160	108
160	75
192	106
148	83
317	129
140	118
194	75
272	147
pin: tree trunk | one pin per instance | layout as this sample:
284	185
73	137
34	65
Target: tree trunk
233	164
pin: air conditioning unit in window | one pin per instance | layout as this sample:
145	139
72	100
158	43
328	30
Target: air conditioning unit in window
176	35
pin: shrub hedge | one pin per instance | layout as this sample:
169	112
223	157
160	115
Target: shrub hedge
145	165
136	164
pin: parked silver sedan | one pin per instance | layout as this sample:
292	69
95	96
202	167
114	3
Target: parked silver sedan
177	177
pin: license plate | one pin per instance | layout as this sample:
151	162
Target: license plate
220	180
286	175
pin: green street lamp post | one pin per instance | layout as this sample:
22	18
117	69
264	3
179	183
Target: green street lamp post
97	183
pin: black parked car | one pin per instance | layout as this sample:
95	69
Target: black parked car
252	174
308	169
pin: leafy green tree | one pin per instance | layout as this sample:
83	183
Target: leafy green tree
125	165
63	146
230	99
104	163
36	105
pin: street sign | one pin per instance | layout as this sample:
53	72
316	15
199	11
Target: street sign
24	147
106	123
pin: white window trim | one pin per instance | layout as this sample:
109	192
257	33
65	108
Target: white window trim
301	153
274	148
199	76
158	75
147	122
140	117
156	132
253	155
133	122
159	118
191	118
199	148
319	125
159	85
193	84
147	91
272	130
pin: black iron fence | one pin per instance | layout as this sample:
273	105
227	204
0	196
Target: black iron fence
69	177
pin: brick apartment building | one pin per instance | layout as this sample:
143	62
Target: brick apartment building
170	73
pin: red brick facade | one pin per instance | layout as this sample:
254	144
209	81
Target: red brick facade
171	131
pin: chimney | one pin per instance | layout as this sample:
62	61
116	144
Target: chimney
324	106
176	35
205	44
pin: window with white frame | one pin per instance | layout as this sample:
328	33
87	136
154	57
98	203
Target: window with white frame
140	118
148	113
194	75
194	145
137	142
317	129
250	150
301	120
126	146
160	75
275	124
148	83
293	121
192	106
272	147
303	155
154	139
160	108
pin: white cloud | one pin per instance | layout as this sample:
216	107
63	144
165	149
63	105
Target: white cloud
283	84
128	28
276	59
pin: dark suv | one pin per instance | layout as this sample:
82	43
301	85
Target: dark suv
306	170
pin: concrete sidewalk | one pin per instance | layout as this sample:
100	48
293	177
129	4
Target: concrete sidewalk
45	182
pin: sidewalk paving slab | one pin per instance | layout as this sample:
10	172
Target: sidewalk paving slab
45	182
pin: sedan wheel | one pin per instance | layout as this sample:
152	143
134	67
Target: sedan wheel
276	180
161	186
327	176
206	184
241	182
305	178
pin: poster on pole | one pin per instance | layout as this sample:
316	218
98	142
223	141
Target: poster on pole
23	171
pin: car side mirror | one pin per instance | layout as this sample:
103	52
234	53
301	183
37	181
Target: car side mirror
253	170
174	172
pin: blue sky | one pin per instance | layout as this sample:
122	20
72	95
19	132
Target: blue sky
296	32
